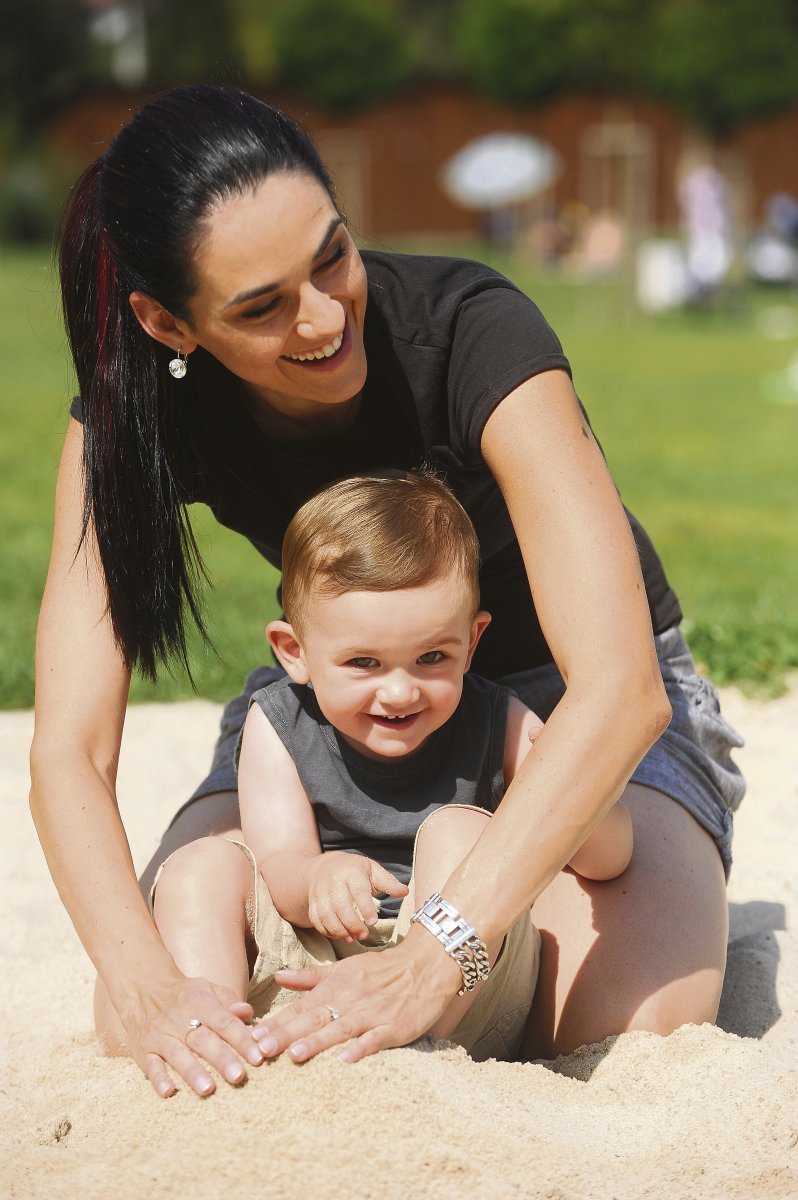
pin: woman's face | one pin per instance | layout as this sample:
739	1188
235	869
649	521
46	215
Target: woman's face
281	296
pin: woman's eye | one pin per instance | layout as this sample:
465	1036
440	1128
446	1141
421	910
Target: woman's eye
362	664
430	658
334	258
252	314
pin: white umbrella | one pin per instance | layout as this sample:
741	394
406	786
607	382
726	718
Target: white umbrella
499	169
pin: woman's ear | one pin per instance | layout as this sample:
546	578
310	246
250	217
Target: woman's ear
478	626
287	650
159	323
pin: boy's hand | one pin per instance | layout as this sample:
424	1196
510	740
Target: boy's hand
341	896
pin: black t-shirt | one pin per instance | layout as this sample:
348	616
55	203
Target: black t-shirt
446	340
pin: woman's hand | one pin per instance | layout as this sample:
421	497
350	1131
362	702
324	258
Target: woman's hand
192	1024
370	1001
341	894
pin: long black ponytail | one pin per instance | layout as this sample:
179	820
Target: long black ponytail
133	224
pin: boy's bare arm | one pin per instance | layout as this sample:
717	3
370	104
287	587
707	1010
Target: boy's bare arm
277	818
607	850
331	892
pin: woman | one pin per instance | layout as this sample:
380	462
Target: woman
232	347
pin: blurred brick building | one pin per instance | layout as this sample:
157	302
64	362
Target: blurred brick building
618	155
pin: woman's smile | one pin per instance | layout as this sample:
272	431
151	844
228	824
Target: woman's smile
325	358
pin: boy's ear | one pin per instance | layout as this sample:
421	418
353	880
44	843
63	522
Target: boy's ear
287	650
478	626
159	323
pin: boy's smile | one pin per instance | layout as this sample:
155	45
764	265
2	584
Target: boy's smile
386	667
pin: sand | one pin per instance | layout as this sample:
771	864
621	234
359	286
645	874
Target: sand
706	1112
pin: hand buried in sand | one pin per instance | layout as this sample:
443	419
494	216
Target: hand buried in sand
341	900
193	1020
370	1001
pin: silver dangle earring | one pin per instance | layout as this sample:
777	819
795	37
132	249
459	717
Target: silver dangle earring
178	366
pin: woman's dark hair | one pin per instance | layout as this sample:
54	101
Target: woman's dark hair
133	224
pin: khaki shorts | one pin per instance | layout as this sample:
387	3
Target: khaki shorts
494	1025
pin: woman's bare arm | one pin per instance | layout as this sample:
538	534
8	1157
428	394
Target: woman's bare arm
81	693
585	576
607	850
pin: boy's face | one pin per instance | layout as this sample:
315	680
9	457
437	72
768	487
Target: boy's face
387	667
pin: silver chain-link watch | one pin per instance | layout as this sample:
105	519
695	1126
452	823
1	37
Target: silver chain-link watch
459	939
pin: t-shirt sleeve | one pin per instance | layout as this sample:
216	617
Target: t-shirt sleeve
500	339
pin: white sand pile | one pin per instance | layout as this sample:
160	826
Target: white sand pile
704	1113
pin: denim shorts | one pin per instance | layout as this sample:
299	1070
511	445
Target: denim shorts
691	762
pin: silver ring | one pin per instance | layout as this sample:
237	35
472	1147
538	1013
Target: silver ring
193	1023
334	1013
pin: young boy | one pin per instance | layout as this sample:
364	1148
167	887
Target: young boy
369	771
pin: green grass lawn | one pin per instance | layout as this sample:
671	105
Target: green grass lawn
686	407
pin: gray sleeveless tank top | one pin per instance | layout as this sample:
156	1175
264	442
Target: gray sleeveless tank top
374	807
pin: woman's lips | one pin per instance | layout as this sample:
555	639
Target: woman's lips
326	364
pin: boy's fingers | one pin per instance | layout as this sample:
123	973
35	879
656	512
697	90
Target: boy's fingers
328	918
339	914
384	881
363	902
350	913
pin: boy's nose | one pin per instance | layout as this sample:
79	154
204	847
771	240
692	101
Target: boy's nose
397	689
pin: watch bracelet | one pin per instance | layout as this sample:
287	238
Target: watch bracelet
470	952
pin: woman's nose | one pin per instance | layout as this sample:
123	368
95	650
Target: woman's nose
397	689
319	316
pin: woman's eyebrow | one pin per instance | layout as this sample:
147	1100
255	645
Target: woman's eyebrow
263	290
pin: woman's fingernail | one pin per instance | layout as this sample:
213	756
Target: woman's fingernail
205	1084
165	1088
268	1045
344	1057
254	1056
299	1051
234	1073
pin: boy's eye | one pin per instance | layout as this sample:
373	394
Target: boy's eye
430	658
362	664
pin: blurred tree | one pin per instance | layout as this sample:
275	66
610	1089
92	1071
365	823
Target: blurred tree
252	21
723	63
607	44
341	56
45	55
427	28
514	50
190	42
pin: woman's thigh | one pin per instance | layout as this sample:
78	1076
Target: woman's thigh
213	815
644	951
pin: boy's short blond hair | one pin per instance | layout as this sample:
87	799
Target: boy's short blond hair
377	533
